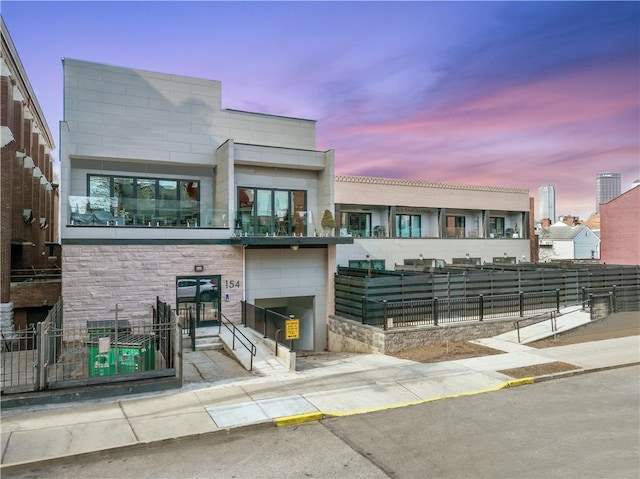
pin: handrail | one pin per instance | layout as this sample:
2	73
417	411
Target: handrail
224	321
552	317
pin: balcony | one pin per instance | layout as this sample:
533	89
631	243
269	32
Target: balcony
142	213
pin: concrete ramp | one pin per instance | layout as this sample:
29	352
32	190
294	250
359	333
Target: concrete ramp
568	319
264	362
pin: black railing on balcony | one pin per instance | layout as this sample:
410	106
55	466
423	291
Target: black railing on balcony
35	274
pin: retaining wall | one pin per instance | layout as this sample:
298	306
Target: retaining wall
346	335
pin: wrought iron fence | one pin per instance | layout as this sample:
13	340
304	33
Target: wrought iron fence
52	355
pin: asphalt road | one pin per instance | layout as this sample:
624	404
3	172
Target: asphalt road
584	426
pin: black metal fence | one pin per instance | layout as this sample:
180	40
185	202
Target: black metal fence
498	286
53	355
269	323
440	311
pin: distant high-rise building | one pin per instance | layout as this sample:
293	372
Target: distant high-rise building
547	202
607	188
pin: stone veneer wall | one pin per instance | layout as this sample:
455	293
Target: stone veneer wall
132	276
346	335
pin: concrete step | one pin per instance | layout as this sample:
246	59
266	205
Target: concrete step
208	342
204	343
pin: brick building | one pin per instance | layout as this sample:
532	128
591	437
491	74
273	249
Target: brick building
29	251
620	229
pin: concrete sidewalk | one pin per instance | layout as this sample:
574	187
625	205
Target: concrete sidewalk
334	385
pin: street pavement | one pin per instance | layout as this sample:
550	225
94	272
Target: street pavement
326	385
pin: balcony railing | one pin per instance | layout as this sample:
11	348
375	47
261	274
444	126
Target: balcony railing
301	224
101	211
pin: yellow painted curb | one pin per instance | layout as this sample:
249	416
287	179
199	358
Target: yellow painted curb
315	416
518	382
298	418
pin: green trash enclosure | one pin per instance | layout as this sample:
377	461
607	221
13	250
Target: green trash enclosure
120	354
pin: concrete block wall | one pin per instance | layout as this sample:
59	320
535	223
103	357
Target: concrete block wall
100	276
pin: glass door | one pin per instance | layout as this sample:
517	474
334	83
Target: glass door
200	296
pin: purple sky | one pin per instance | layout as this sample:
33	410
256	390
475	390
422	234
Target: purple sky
520	94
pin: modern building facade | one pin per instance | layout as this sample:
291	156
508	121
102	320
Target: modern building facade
29	251
620	229
547	203
394	220
167	194
608	186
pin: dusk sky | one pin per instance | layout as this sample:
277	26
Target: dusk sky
518	94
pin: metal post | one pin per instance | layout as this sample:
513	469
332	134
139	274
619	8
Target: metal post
613	292
38	365
115	353
521	297
435	311
481	306
591	311
557	300
233	342
363	314
384	309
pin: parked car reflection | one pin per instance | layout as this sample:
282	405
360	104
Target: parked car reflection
188	288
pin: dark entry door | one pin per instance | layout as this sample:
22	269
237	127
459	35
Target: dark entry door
201	295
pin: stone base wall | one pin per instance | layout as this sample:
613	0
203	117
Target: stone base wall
6	320
346	335
97	277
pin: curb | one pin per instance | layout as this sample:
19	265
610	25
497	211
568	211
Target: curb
316	416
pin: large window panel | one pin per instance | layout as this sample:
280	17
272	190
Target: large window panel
123	192
168	202
146	195
189	203
123	200
408	226
268	211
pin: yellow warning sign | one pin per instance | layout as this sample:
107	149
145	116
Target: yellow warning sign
292	329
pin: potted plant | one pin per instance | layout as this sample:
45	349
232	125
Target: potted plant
328	223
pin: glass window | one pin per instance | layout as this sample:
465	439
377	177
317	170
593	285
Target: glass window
299	212
455	226
168	202
100	193
496	227
189	203
408	226
265	211
146	195
357	224
125	200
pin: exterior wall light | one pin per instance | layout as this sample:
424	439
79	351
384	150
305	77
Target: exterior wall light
199	268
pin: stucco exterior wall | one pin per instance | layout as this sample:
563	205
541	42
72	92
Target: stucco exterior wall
279	276
426	194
